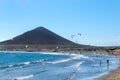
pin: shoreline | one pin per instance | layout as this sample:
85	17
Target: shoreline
63	52
111	75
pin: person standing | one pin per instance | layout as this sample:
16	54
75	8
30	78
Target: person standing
100	63
107	64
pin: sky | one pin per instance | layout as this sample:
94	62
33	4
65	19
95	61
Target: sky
98	21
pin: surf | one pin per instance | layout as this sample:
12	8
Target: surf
23	77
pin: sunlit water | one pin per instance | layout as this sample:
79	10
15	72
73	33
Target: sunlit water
41	66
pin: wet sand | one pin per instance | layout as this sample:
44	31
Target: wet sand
113	75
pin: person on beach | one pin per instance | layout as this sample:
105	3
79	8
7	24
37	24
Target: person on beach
107	64
100	63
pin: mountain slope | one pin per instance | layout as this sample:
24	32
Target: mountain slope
39	35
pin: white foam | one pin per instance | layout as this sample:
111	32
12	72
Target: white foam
10	65
73	57
54	53
26	63
39	61
60	61
77	56
23	77
76	66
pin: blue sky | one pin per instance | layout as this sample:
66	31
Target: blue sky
97	20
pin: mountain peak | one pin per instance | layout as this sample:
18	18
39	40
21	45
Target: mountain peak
39	35
40	28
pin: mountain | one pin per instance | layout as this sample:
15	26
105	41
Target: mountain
41	36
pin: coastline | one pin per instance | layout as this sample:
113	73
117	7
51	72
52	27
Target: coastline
112	75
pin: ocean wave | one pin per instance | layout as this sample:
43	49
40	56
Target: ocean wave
27	63
23	77
59	61
51	53
21	64
54	53
77	56
29	76
71	76
76	66
73	57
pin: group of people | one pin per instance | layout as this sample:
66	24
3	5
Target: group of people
107	62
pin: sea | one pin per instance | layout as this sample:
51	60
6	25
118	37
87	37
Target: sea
55	66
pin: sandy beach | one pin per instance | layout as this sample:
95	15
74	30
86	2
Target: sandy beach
113	75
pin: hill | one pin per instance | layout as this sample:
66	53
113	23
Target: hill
37	36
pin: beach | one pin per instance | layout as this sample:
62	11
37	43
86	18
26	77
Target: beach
113	75
35	66
95	56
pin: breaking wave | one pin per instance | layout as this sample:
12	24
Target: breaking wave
59	61
21	64
23	77
77	56
76	66
73	57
